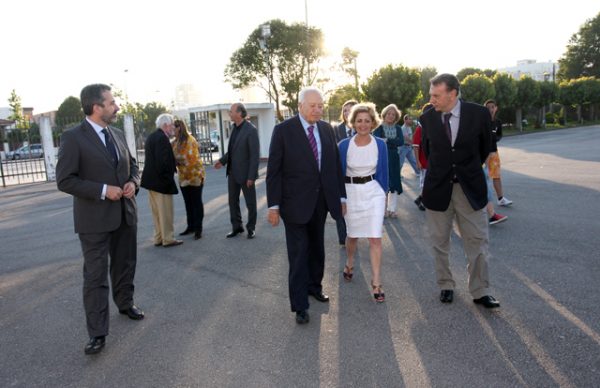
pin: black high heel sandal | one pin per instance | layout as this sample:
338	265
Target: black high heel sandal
378	293
348	275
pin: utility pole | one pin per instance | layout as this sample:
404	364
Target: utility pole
307	42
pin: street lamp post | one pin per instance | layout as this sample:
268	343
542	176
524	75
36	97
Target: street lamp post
266	34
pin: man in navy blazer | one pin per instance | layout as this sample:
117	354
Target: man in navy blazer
304	182
456	139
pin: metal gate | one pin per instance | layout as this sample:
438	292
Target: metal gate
24	162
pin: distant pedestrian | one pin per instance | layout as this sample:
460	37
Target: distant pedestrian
456	141
420	158
190	171
97	169
494	158
406	150
241	159
158	178
343	131
391	133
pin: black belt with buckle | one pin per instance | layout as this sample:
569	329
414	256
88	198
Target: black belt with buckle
359	179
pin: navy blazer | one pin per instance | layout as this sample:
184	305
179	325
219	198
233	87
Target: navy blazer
159	164
463	160
293	176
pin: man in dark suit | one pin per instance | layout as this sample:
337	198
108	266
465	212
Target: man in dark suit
158	178
304	182
456	140
97	169
241	160
342	131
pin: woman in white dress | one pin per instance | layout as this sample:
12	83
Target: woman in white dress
365	166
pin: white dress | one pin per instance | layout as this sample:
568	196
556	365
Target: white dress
365	204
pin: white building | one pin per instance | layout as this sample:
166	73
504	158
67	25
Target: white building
186	95
539	71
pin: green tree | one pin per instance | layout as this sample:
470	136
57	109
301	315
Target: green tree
582	58
528	92
69	112
349	57
280	66
426	74
393	85
14	102
506	90
477	88
467	71
338	97
548	95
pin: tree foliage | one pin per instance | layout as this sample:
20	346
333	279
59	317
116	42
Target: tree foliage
280	66
548	94
339	96
349	57
393	85
582	58
467	71
506	89
14	102
69	112
426	74
477	88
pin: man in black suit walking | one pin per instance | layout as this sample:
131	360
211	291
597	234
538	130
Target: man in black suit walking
456	140
304	181
97	169
241	160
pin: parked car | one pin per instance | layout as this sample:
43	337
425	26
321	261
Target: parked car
30	151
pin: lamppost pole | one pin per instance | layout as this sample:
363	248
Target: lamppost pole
265	34
307	41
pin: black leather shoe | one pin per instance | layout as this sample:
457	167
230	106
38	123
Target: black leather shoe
185	232
446	296
302	317
133	313
173	243
95	345
235	232
251	234
197	235
487	301
158	244
319	296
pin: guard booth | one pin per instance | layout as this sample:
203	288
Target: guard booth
212	127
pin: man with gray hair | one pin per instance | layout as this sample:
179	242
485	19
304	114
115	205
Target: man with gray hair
304	182
158	179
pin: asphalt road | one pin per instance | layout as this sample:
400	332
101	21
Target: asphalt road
217	310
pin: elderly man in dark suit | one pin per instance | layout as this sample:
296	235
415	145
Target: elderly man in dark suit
304	182
97	169
241	160
158	178
456	140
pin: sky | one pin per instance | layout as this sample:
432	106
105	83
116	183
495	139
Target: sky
51	49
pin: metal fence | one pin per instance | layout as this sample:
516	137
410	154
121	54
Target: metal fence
23	161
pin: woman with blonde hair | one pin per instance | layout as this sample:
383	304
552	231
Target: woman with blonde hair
391	132
191	177
365	167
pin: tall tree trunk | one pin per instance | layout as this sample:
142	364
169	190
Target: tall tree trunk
579	115
543	120
518	119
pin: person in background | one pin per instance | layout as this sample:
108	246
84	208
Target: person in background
406	150
343	131
493	162
241	159
391	132
365	167
97	169
190	171
421	159
158	178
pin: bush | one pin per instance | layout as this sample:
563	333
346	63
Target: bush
551	118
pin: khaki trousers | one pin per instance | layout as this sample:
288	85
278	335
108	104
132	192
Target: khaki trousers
162	214
473	228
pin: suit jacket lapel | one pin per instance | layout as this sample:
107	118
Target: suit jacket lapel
91	134
303	139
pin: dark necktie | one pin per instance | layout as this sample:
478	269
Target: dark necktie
313	142
110	146
447	126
